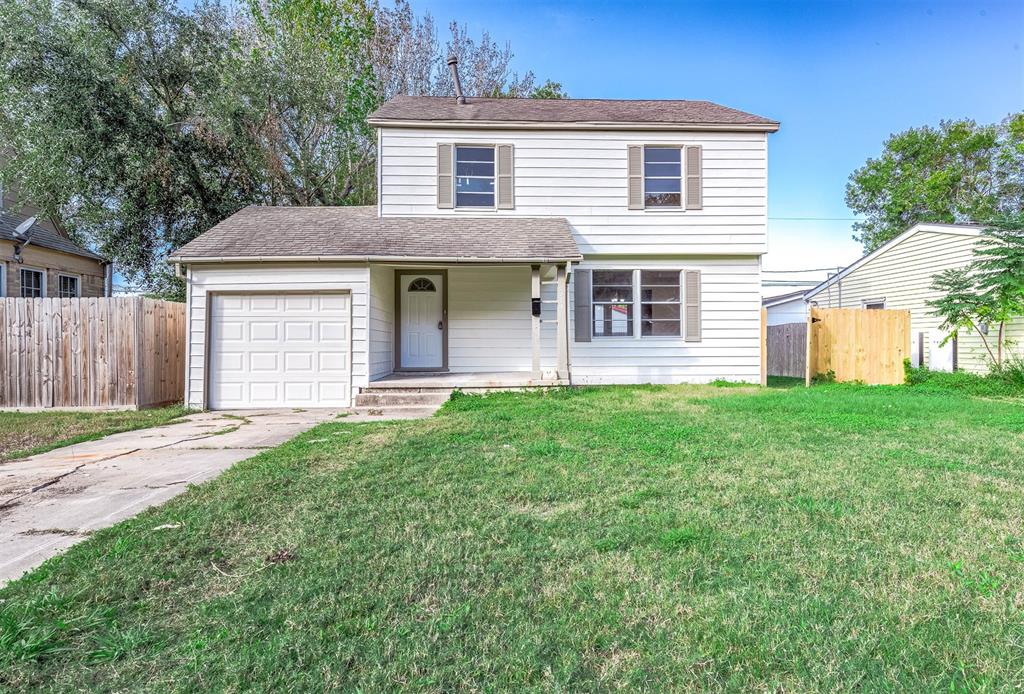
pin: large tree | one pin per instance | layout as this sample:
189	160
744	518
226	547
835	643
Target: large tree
98	119
957	172
137	124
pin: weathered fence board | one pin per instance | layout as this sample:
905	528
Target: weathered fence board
787	349
112	352
858	344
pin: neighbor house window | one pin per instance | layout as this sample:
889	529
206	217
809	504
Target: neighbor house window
659	303
67	287
663	176
877	304
613	303
474	176
31	283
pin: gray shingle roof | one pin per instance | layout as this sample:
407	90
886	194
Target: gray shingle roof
566	111
358	233
41	236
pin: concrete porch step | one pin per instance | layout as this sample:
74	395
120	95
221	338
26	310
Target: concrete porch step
370	414
391	397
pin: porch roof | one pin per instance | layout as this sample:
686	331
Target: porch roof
359	234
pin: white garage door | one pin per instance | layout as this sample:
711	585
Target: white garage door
279	350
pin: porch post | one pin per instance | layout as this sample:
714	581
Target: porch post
535	318
562	324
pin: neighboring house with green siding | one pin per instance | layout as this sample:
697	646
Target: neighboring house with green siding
898	275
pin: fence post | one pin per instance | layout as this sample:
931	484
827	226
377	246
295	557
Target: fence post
764	346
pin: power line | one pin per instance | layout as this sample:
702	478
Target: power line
816	219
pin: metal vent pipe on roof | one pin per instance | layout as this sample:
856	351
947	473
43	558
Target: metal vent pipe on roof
453	65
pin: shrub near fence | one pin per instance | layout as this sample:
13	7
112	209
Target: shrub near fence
99	352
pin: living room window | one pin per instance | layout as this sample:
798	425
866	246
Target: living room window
663	176
659	303
474	176
31	283
620	295
612	303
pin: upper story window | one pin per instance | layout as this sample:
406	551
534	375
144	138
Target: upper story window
67	287
663	176
31	283
474	176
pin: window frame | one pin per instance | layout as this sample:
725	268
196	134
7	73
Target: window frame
3	279
682	177
78	285
637	303
455	176
42	282
873	304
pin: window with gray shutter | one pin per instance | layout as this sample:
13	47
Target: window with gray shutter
634	174
581	304
506	191
691	280
445	186
694	183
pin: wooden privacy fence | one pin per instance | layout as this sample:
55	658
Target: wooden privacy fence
858	344
103	352
787	350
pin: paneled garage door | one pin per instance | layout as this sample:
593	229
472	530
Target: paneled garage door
279	350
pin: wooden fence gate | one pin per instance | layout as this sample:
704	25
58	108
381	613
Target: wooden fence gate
103	352
787	350
858	344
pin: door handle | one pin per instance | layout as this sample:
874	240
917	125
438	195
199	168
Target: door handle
440	325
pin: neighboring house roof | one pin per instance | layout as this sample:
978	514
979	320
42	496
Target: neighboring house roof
561	113
955	229
770	301
42	237
357	233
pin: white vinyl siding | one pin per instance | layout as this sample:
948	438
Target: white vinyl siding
583	176
730	331
382	321
304	277
902	275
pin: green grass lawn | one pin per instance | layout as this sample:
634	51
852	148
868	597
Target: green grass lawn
661	538
27	433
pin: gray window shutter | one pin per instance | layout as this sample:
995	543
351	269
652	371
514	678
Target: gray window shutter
506	192
581	305
445	188
691	289
635	174
694	182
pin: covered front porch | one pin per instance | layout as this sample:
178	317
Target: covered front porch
475	326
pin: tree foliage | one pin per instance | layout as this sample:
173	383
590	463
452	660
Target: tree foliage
958	172
137	125
988	292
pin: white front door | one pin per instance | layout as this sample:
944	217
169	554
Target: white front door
279	350
422	308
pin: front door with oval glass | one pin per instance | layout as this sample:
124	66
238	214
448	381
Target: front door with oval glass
422	322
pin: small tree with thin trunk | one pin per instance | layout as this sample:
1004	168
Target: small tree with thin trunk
988	292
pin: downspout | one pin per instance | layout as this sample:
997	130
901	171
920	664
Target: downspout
108	279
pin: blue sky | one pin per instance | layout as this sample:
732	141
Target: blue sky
839	76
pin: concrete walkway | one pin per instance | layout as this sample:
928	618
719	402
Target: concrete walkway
52	500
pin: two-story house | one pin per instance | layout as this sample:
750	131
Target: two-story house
515	242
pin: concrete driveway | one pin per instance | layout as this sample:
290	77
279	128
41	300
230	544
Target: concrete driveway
51	501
